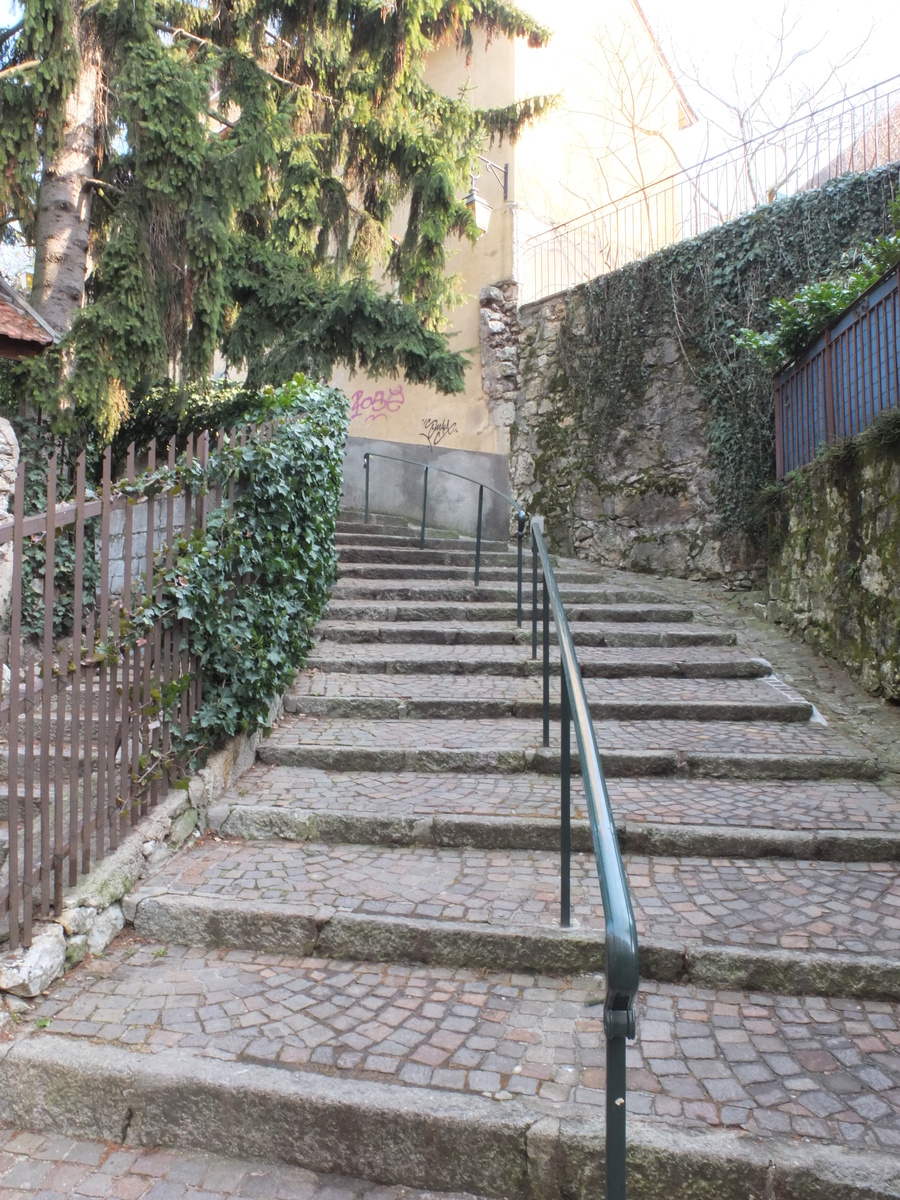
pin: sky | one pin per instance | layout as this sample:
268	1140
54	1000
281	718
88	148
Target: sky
730	55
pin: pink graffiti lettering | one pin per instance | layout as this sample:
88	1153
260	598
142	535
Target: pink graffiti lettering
377	405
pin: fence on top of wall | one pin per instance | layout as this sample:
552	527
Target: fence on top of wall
845	379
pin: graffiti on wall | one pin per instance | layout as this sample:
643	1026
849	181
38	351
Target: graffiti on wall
382	403
436	429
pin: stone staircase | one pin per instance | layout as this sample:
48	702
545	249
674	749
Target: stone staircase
359	969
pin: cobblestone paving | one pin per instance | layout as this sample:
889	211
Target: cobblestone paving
850	907
853	712
35	1166
511	688
710	737
782	804
513	657
814	1068
499	633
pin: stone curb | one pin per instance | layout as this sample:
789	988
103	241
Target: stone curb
404	1134
257	822
306	930
91	915
632	763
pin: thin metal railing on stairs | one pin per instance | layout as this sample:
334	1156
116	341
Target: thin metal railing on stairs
621	967
621	948
521	518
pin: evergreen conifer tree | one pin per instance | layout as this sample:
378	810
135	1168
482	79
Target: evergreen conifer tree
203	174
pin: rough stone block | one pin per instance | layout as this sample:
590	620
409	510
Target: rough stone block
30	972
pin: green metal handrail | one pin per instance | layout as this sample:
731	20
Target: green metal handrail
621	949
621	945
521	517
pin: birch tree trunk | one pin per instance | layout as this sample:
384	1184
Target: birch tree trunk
62	224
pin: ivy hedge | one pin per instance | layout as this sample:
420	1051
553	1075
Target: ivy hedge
702	293
253	583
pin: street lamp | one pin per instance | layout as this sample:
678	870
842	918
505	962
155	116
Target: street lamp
479	207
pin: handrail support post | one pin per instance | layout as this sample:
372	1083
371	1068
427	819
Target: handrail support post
534	600
615	1116
424	509
546	657
478	534
565	803
520	537
366	469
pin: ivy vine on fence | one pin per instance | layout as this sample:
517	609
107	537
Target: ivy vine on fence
253	583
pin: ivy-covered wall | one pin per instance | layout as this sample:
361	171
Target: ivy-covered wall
641	432
835	555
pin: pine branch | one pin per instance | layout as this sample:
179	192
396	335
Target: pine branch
18	68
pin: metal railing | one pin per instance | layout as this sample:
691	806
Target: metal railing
855	134
482	488
621	946
91	708
849	375
621	966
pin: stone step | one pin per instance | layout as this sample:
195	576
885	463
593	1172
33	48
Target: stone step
721	749
259	822
414	573
700	662
462	556
797	927
361	537
839	820
487	1082
445	591
490	633
393	696
51	1166
481	610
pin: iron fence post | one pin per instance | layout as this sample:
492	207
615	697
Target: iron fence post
478	534
366	469
424	509
565	803
546	647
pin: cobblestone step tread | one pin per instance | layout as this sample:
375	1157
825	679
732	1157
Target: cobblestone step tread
596	661
410	540
446	590
585	633
680	737
823	1069
421	1136
413	573
36	1166
379	696
455	611
827	807
780	920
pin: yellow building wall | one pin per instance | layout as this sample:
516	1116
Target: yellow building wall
394	409
563	166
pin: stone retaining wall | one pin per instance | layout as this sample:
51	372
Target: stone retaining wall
835	562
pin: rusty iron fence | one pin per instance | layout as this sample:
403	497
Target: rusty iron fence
92	702
843	381
855	134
